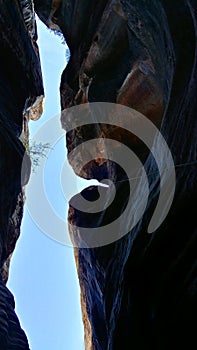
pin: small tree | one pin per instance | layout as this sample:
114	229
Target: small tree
63	41
37	151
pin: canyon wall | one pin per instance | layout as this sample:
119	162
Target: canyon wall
20	85
139	291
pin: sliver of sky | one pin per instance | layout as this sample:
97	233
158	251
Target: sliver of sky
43	276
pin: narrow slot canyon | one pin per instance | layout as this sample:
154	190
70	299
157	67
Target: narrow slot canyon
98	195
43	274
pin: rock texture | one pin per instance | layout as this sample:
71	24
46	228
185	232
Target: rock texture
20	84
139	292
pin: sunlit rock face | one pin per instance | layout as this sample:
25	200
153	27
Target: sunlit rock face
138	292
21	83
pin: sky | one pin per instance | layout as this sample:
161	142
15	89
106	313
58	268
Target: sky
43	276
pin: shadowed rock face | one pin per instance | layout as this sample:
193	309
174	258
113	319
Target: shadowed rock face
20	84
138	292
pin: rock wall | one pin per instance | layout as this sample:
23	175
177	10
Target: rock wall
138	292
20	85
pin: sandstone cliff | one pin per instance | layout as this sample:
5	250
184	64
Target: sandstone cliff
139	292
21	84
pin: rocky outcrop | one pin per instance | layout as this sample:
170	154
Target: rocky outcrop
21	84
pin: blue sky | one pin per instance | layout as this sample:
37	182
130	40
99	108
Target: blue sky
43	277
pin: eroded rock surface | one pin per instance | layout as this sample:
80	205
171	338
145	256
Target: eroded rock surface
20	84
139	292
